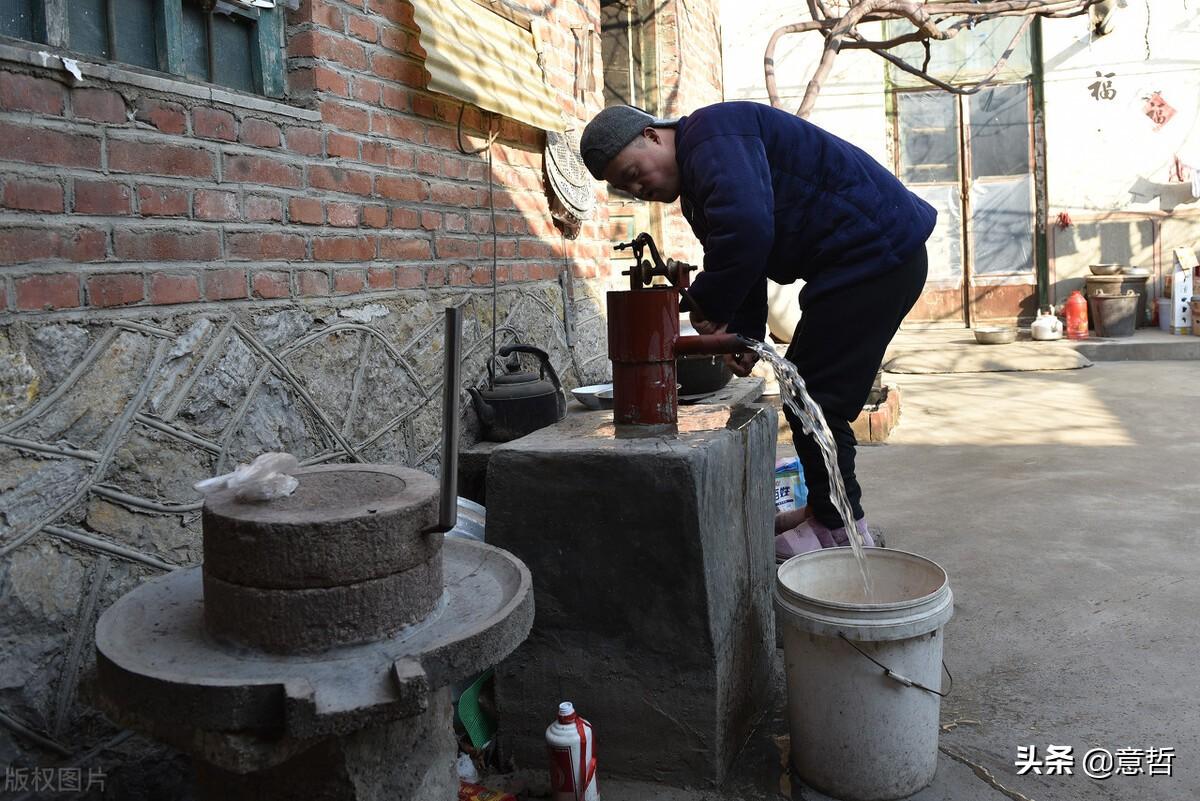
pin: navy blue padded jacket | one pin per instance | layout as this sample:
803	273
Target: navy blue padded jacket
771	195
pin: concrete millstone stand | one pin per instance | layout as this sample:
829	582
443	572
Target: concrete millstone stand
310	657
653	564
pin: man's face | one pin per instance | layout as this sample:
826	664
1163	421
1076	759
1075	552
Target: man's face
646	167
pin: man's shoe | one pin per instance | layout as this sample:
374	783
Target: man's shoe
812	535
839	536
796	541
785	521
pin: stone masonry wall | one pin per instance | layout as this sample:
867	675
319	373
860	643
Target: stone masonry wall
190	277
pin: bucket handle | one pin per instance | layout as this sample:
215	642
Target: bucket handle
907	682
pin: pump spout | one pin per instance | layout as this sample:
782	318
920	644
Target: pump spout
709	344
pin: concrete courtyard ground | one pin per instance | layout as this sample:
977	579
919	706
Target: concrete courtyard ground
1065	507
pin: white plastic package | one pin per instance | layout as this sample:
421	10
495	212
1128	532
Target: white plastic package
466	769
267	477
790	489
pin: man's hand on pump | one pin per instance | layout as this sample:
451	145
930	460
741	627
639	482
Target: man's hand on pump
703	326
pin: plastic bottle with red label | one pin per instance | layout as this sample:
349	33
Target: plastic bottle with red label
572	757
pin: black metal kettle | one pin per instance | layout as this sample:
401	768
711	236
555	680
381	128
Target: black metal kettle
517	403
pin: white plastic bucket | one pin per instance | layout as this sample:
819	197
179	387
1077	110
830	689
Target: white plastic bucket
857	732
1164	314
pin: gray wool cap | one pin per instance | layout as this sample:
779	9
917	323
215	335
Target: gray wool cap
610	131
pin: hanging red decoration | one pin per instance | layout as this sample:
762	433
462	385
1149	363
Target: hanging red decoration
1158	110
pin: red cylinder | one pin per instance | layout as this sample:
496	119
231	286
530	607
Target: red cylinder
642	328
1076	312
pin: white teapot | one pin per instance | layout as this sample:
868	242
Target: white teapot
1047	326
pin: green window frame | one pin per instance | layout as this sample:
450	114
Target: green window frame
224	43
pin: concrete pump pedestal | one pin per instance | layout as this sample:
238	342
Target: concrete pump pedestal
652	563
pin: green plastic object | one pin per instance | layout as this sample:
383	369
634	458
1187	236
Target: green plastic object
479	725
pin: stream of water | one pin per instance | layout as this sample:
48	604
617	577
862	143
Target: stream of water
795	396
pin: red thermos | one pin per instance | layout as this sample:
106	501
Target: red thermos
1076	312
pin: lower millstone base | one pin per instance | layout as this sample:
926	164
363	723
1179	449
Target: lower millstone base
652	562
406	760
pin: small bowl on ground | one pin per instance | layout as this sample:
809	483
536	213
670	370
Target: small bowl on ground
589	396
995	335
1105	269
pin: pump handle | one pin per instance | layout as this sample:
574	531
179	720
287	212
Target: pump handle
643	270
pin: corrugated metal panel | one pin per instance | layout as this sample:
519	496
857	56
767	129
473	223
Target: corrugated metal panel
478	56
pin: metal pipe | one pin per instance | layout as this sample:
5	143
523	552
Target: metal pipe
110	23
709	344
211	46
451	381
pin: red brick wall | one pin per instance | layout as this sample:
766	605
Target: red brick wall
114	195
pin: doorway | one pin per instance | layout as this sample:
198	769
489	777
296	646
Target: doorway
971	158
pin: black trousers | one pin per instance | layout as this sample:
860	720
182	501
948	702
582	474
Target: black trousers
838	347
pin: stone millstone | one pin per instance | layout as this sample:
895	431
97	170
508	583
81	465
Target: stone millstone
311	620
160	671
406	760
344	524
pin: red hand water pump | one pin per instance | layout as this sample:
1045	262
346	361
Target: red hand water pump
644	339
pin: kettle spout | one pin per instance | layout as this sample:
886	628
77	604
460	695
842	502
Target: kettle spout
486	413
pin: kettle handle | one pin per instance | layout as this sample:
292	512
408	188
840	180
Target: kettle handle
546	366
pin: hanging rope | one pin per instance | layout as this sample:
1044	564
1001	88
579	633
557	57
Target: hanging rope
495	251
491	136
